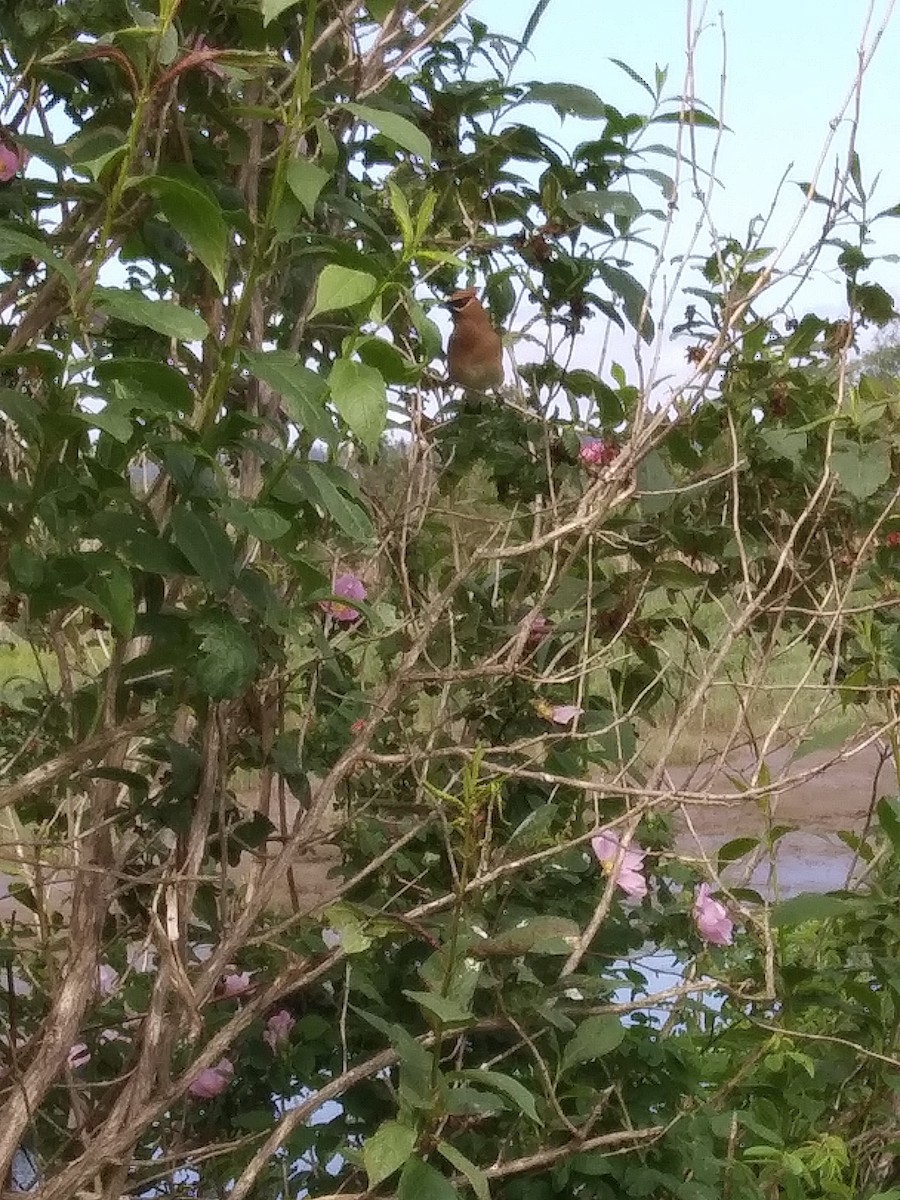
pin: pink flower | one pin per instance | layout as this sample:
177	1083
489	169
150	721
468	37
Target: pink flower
238	984
278	1029
565	714
212	1081
358	725
12	160
350	587
107	979
79	1056
629	876
597	453
711	918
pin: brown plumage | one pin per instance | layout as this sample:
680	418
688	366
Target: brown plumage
474	352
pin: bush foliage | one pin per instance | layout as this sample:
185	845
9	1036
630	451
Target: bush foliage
283	600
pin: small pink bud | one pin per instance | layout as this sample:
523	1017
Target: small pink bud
212	1081
595	453
538	630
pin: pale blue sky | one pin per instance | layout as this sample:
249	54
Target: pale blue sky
790	65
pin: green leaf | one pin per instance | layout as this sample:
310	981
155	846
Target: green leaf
476	1177
810	906
420	1181
262	523
302	391
541	934
14	243
593	1038
205	545
109	593
395	128
688	116
20	409
228	657
162	316
735	849
632	74
136	377
655	484
360	396
387	1150
341	287
349	516
195	215
568	99
586	206
873	303
496	1081
448	1011
306	180
889	819
633	296
111	420
349	927
785	443
862	470
274	8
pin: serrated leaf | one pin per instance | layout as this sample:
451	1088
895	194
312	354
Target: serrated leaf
14	242
810	906
633	297
205	545
420	1181
655	484
862	470
735	849
497	1081
395	128
474	1174
447	1010
341	287
195	215
260	522
567	99
110	594
301	390
306	180
593	1038
348	515
162	316
346	923
228	657
387	1150
687	116
541	934
589	205
136	377
271	9
359	394
112	421
785	443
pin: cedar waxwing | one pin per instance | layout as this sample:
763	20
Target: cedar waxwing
474	352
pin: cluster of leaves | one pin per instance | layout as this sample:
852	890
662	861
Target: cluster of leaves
255	544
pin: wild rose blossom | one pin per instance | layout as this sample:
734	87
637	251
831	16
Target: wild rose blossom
12	160
107	979
79	1056
629	875
349	587
278	1029
212	1081
711	918
237	984
595	452
565	714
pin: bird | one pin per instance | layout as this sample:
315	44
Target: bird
475	351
